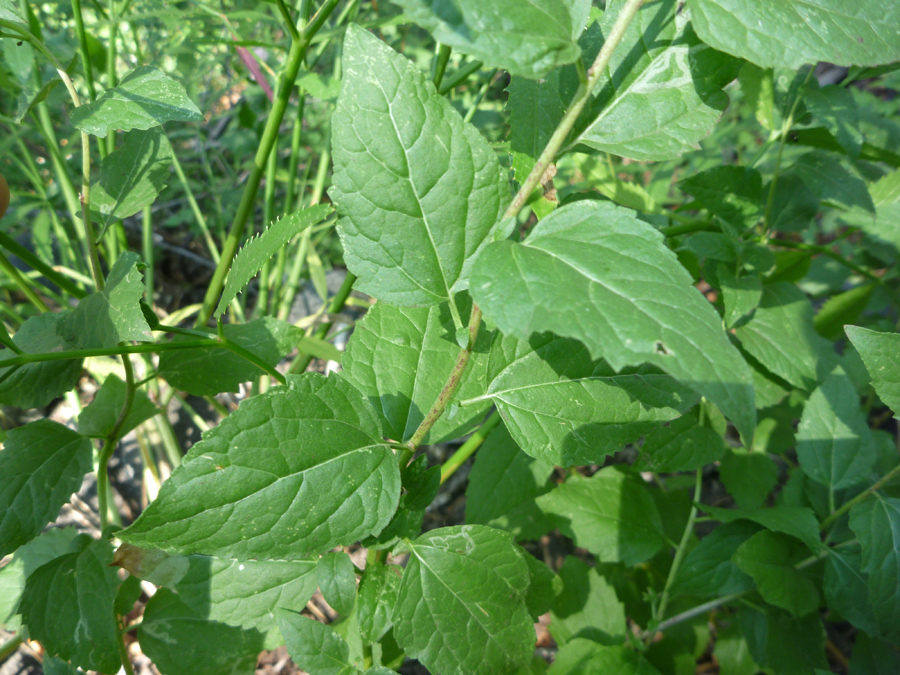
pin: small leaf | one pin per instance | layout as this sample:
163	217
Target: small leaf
881	354
833	181
846	588
686	444
783	643
297	470
420	482
258	250
708	569
9	12
144	99
622	292
733	193
314	646
375	603
842	309
104	319
131	177
793	206
543	589
588	607
586	656
527	39
42	464
68	606
769	557
99	418
337	581
835	107
797	521
611	514
413	214
873	657
461	608
834	443
749	477
182	642
790	35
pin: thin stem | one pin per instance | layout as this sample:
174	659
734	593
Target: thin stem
692	613
467	449
300	364
195	209
123	651
459	77
288	21
688	228
681	551
83	49
36	263
862	496
147	245
23	285
10	646
270	134
109	445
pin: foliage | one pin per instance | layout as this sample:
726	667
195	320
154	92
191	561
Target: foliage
663	307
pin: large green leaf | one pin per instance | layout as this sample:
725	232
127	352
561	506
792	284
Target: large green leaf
876	523
881	354
337	581
772	33
749	477
662	92
733	193
586	656
131	177
259	250
68	606
611	514
782	337
420	192
769	557
181	641
42	464
587	607
688	443
708	569
36	384
461	608
104	319
237	593
846	588
535	108
315	647
833	181
401	357
564	408
99	418
528	38
503	484
785	644
835	107
621	291
834	442
297	470
212	370
144	99
375	602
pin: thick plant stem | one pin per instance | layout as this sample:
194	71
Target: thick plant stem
681	551
270	135
554	145
467	449
861	497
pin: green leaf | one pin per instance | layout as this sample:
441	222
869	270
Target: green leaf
35	385
420	482
733	193
401	357
237	593
535	108
794	204
180	641
461	607
881	354
741	296
708	569
42	549
842	309
55	666
30	96
314	646
662	92
42	463
622	292
9	12
212	370
769	558
834	443
876	523
611	514
529	39
835	108
337	581
146	98
564	408
503	485
783	643
99	418
797	521
294	471
790	35
586	656
686	444
68	606
375	604
749	477
846	588
414	214
834	182
131	177
104	319
782	337
544	588
260	249
732	652
588	607
873	657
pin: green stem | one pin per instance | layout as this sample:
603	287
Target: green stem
681	551
288	21
300	364
270	134
111	65
440	65
109	445
262	300
147	245
687	615
195	209
458	458
688	228
83	49
862	496
23	285
10	646
459	77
